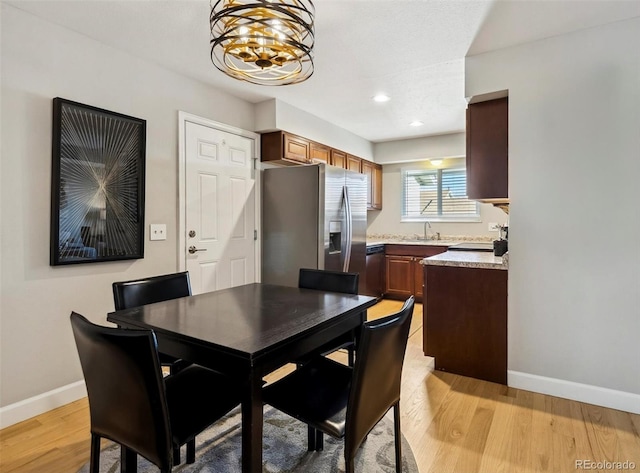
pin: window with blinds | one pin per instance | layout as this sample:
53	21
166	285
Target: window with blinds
437	194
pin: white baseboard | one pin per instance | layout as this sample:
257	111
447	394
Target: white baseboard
604	397
23	410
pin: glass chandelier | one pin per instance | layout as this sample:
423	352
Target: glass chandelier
265	42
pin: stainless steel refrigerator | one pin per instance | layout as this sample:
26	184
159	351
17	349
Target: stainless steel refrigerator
313	216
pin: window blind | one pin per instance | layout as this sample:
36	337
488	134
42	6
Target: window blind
436	193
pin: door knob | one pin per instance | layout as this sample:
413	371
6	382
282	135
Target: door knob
193	249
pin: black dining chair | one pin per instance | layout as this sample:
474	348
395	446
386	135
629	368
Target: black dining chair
138	292
347	402
332	281
132	404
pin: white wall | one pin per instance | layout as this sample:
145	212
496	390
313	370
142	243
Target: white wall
574	236
387	220
275	114
41	61
415	149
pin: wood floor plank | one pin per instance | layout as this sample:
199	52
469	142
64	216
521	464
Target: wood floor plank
628	438
542	448
496	457
475	441
602	437
453	424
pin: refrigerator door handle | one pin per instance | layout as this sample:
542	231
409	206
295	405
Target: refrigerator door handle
347	206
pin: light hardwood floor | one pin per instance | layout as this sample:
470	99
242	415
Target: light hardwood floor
454	424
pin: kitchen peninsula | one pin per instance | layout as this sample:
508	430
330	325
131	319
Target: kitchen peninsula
465	313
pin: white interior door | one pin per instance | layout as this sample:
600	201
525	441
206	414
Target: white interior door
220	194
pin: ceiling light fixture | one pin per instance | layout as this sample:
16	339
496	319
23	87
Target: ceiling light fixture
265	42
381	98
436	162
416	123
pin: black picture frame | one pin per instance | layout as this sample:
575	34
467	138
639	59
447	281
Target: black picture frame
97	185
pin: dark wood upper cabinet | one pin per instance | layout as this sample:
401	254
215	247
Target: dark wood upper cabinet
488	150
285	148
376	191
373	172
367	170
281	147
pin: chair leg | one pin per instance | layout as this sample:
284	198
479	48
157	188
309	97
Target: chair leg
94	464
176	455
398	436
191	451
311	439
349	465
128	460
351	355
319	441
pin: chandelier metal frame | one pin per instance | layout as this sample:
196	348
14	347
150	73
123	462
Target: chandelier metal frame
265	42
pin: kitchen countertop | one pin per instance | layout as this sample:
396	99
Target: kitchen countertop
414	242
445	240
468	259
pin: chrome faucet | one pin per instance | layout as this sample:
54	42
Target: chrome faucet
426	224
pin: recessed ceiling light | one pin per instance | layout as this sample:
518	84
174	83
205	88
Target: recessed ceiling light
381	98
416	123
436	162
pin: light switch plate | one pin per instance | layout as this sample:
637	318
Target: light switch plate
157	231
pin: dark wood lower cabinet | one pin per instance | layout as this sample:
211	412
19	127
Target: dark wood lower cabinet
465	321
404	273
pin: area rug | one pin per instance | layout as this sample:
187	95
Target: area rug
284	450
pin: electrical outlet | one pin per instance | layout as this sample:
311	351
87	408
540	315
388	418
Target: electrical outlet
494	227
157	231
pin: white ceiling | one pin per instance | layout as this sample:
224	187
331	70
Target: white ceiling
412	50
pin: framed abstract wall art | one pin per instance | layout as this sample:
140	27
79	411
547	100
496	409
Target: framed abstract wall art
97	185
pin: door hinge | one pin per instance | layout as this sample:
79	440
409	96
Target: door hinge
255	235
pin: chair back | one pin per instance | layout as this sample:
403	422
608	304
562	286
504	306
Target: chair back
377	373
127	399
128	294
332	281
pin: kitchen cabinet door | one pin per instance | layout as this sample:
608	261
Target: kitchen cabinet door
488	150
367	170
376	187
405	274
399	276
354	163
280	147
374	184
319	153
338	158
296	148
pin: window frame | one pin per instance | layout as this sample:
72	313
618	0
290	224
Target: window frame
463	218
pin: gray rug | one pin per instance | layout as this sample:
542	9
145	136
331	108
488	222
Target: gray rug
284	450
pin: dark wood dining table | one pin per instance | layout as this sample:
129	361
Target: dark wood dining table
247	332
